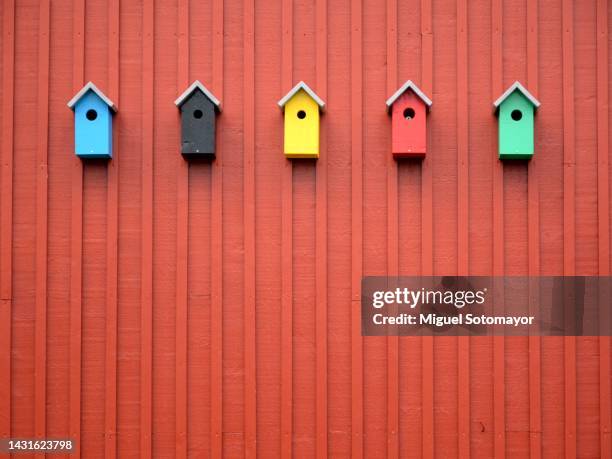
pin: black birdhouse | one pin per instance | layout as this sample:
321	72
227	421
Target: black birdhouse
198	108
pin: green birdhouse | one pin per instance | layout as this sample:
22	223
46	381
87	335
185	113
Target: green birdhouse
516	109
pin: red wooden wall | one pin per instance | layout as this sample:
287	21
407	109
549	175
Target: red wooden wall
149	307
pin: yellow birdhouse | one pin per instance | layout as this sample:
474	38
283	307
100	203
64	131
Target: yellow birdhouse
301	106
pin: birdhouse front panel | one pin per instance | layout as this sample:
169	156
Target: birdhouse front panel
516	127
198	126
301	127
93	127
409	126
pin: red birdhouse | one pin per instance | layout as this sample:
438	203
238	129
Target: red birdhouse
408	108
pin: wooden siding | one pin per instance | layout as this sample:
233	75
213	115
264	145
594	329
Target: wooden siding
157	308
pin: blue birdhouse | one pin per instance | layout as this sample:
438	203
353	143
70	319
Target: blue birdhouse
93	123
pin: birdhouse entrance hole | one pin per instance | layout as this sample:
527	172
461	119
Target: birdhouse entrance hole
91	114
516	115
197	114
301	114
409	113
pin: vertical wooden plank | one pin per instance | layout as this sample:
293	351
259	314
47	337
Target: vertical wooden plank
499	385
59	161
321	239
392	243
250	381
146	286
551	181
462	138
181	310
6	215
463	343
287	314
130	240
569	223
356	228
182	242
76	230
427	352
499	388
533	203
40	346
287	251
216	311
481	155
110	396
24	218
603	213
339	198
165	187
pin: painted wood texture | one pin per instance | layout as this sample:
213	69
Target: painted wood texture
156	307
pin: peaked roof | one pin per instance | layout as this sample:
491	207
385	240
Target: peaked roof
514	87
295	89
197	85
91	87
408	85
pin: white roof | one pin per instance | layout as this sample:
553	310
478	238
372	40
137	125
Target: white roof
408	85
90	86
295	89
516	86
197	85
